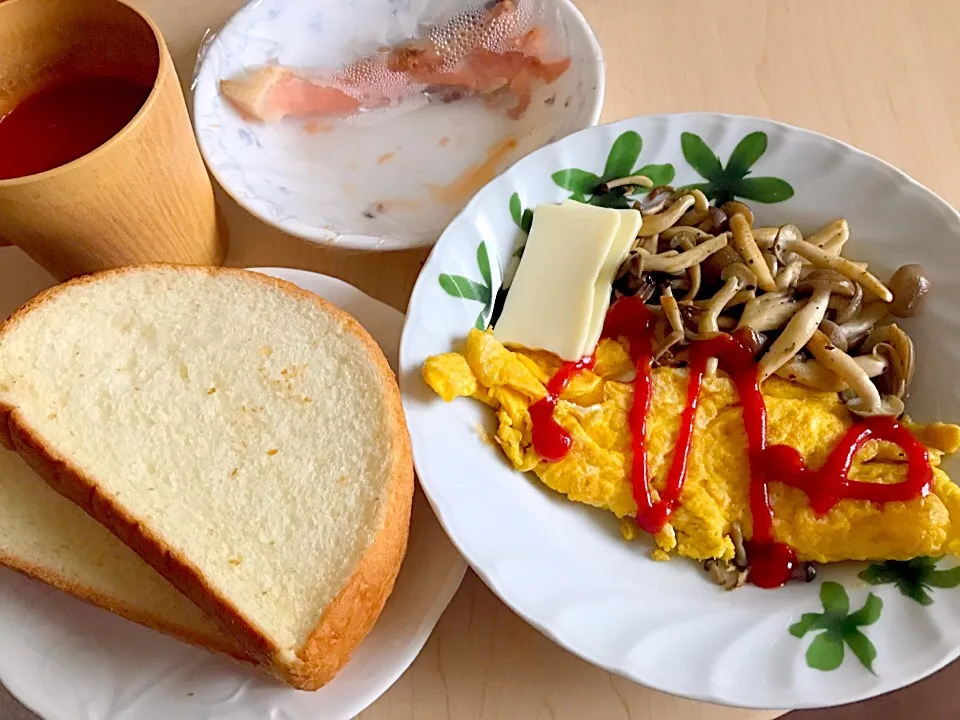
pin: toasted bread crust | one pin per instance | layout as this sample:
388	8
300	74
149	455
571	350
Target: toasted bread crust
217	642
351	614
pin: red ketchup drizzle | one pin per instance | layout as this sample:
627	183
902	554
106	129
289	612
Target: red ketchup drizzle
551	441
771	562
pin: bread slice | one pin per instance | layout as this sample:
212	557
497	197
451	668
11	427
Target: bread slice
243	436
48	538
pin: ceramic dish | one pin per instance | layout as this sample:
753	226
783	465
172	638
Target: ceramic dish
393	186
65	659
565	567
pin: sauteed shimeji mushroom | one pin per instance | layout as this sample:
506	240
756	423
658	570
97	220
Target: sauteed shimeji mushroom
819	319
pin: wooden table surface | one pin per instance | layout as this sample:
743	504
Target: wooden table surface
878	74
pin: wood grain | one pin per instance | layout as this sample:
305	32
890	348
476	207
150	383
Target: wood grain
144	195
879	74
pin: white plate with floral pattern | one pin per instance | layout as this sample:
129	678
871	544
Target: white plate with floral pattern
371	183
66	660
857	630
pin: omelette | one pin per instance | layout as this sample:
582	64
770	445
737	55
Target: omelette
714	500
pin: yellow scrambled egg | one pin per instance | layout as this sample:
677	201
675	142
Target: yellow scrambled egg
594	410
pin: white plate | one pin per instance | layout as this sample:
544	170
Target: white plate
563	566
367	187
66	660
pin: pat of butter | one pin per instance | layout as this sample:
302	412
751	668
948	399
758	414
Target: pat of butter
550	305
630	221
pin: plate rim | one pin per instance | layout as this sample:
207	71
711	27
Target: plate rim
541	621
434	611
358	241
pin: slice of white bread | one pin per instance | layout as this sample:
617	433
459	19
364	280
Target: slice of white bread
47	537
243	436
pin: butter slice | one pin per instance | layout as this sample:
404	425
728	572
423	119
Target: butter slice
550	303
630	221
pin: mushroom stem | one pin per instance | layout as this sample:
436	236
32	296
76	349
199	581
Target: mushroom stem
743	242
767	312
764	236
708	321
847	368
796	334
788	275
672	312
700	201
870	315
693	217
648	244
735	207
773	265
672	232
811	374
873	364
641	180
654	224
893	344
673	263
832	236
850	270
693	272
740	298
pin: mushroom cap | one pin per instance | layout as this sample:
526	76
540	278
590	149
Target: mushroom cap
740	271
857	328
786	234
683	240
849	311
834	333
769	311
828	280
896	345
788	275
865	399
910	286
735	207
655	200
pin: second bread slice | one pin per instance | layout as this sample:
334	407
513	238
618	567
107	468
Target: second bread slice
242	436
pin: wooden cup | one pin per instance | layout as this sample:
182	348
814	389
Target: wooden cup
144	195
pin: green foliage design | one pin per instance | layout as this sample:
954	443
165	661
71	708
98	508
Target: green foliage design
730	182
913	578
621	162
837	627
461	287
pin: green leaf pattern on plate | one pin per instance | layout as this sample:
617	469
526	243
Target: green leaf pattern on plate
464	288
621	162
913	578
838	628
730	182
522	218
835	629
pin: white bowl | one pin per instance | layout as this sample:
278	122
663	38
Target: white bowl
564	567
388	186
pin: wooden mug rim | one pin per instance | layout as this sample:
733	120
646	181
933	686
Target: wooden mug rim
162	71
